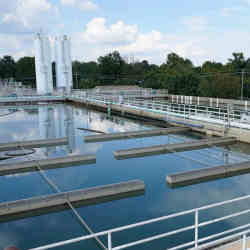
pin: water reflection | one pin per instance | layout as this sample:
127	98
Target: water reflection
76	204
57	123
103	122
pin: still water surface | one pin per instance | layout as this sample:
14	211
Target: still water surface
55	121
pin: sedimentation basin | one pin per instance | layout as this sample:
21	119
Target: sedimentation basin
57	121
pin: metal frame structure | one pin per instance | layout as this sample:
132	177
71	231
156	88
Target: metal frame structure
225	116
197	243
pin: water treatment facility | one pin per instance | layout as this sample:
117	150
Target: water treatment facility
120	168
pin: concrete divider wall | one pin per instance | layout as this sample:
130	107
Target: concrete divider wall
25	205
207	174
134	134
170	148
32	144
60	162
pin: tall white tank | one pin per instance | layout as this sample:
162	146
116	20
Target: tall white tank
49	63
63	61
69	63
43	64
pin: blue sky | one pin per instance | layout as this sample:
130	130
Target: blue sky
198	30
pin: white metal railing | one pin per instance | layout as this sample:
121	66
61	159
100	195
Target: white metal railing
197	243
222	115
31	98
125	93
210	101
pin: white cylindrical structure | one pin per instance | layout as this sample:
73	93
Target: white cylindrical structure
69	128
69	63
43	63
63	61
47	127
49	63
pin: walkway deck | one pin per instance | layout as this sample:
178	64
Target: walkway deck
237	245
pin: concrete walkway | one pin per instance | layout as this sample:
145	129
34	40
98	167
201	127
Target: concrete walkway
237	245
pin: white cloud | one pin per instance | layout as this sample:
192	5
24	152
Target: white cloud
246	1
146	41
87	6
28	15
68	2
195	23
84	5
97	31
195	38
200	42
26	12
99	38
16	46
227	12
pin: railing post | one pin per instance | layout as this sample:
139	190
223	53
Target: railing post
244	245
109	241
196	224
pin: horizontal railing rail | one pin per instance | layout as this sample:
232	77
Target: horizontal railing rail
224	116
196	243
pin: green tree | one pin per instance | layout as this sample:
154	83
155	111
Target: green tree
211	67
176	64
220	85
238	62
25	67
111	64
7	67
178	75
153	80
25	70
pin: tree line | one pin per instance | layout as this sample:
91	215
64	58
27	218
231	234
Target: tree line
177	74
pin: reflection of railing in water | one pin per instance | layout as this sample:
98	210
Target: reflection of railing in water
197	243
10	91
